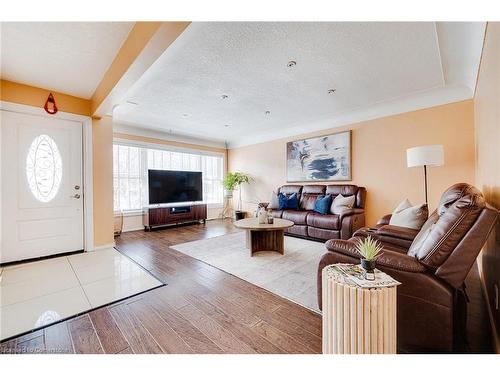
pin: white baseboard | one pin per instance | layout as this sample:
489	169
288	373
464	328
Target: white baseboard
102	247
133	229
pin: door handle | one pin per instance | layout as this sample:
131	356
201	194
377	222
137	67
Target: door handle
76	196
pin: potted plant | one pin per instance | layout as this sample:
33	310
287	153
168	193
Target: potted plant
370	250
232	181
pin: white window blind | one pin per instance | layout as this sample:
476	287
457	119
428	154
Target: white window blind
130	171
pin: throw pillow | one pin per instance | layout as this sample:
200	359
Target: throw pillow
341	203
273	202
291	202
408	216
323	203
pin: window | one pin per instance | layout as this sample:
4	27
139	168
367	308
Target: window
44	168
130	172
127	178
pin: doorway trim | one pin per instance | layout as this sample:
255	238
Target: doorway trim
88	187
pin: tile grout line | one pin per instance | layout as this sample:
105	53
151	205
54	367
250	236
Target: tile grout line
79	282
41	295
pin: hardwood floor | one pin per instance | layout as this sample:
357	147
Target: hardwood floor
201	310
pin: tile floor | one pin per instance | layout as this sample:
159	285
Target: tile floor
35	294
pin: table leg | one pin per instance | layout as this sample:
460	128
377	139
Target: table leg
266	241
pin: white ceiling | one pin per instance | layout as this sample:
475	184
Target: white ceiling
70	57
377	69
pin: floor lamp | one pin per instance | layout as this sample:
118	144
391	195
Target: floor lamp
425	156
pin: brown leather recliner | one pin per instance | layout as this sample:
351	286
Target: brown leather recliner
431	264
312	225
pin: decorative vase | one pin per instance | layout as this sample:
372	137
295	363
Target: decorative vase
262	216
369	268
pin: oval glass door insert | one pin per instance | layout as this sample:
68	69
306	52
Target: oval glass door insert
44	168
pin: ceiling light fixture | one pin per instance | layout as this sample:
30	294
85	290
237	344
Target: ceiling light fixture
331	91
291	64
224	96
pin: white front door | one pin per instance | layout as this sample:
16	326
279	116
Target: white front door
41	181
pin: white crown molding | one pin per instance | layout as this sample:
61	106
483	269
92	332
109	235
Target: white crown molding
428	99
166	136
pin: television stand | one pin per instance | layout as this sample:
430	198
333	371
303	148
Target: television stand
153	217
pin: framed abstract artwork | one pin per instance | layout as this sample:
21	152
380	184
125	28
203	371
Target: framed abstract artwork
326	158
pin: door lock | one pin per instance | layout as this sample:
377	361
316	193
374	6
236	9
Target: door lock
77	187
76	196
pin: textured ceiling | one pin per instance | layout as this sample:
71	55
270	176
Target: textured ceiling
70	57
376	69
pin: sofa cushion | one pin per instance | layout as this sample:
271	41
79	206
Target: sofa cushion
322	205
317	220
309	195
290	189
277	213
288	202
322	234
298	217
458	210
408	216
299	230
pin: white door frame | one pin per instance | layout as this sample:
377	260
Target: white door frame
88	188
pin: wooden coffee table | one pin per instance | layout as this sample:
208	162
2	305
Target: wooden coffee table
264	237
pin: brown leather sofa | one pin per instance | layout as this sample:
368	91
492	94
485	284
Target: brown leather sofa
312	225
432	303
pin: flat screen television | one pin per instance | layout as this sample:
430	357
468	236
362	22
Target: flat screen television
174	186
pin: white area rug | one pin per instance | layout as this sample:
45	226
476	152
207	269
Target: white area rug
292	276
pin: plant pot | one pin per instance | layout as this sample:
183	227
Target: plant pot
239	215
368	265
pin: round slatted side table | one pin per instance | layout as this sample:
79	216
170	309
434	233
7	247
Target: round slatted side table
357	320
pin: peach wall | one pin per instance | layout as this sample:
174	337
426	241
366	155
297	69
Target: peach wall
35	96
379	158
487	121
102	134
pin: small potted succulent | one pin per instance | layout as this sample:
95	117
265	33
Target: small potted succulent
370	250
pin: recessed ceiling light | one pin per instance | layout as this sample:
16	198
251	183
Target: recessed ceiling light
331	91
291	64
267	112
224	96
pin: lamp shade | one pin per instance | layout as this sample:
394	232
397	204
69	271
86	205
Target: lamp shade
432	155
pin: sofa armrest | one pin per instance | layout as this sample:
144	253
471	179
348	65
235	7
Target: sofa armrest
397	232
384	220
350	221
349	212
388	258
